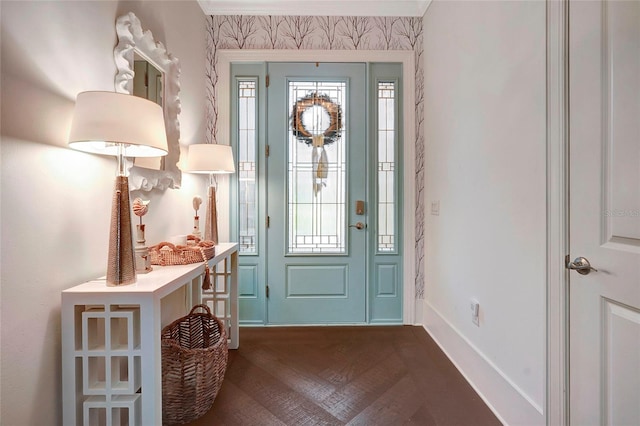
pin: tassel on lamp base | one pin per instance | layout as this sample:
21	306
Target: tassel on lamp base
120	263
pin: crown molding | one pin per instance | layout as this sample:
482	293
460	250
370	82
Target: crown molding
316	7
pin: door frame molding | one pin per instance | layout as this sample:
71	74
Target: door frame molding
557	350
228	56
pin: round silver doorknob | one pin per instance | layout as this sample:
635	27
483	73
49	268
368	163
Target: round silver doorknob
358	225
582	265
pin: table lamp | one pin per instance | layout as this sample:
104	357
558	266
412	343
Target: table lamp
211	159
121	125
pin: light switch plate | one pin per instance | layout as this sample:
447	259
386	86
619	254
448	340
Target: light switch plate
475	312
435	208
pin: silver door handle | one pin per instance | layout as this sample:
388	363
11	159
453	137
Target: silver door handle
359	226
582	265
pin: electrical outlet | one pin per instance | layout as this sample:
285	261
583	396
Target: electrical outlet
475	312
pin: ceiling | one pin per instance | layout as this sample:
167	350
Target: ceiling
316	7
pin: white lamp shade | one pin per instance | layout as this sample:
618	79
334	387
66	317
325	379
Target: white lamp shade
104	120
210	158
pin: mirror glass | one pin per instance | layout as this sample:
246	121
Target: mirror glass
147	70
147	83
147	80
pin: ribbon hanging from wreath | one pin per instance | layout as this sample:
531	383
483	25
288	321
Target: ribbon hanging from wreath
317	121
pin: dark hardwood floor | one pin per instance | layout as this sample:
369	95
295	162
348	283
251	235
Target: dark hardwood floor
343	375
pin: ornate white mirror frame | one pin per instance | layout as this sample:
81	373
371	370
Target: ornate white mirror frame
131	38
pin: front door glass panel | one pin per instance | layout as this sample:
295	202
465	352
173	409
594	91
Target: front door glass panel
317	168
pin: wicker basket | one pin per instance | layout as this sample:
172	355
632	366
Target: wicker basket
194	360
166	253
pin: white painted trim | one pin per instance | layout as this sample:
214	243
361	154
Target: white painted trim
557	213
406	57
316	7
422	7
507	401
425	6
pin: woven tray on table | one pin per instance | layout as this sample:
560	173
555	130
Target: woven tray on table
194	360
166	253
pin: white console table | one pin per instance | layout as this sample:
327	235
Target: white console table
111	352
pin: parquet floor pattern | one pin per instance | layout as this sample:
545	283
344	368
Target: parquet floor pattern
391	375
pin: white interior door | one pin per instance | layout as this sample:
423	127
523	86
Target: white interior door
604	118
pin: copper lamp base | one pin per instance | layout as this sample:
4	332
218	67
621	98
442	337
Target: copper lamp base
211	222
121	268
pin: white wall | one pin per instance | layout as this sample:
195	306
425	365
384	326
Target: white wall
55	202
485	136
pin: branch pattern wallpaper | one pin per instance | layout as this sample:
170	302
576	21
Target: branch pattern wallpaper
326	33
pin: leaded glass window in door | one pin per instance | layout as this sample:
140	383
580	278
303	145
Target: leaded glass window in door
386	174
317	167
247	161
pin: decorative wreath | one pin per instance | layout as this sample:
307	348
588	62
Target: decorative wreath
331	133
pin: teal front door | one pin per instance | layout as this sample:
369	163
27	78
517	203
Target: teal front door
319	151
316	193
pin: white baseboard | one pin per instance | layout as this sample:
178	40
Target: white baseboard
418	313
508	403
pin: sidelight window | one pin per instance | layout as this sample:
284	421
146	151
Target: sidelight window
386	170
247	159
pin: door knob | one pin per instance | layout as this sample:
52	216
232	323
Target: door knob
582	265
358	225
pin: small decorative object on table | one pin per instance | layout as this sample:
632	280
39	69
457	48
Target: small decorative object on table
194	360
142	258
197	201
